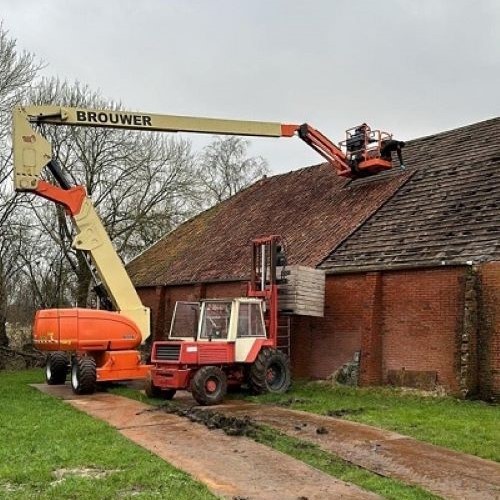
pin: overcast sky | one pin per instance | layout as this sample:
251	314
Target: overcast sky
406	66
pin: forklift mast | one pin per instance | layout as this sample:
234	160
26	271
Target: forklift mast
268	257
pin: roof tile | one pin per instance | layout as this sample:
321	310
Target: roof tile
312	208
446	213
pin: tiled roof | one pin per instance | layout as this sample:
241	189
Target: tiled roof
448	212
312	208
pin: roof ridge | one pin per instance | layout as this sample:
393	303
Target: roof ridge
452	130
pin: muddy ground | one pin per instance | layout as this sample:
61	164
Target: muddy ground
229	463
444	472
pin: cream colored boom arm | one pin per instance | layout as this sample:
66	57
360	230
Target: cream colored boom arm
32	153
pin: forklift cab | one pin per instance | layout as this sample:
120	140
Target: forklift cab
216	320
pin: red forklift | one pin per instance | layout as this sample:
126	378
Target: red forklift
216	343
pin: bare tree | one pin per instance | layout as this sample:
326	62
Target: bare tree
224	168
17	72
140	183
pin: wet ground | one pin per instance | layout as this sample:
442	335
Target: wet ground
442	471
175	432
230	464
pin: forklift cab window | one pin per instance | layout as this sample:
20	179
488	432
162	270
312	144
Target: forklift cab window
216	320
250	322
185	320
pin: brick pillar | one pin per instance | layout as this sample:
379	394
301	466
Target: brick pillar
158	326
371	336
489	331
467	373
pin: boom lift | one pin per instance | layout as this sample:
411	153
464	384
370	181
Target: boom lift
104	343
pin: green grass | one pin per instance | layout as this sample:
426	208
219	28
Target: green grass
468	426
317	458
40	435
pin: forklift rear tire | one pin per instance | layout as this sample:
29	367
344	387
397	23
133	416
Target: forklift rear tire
153	391
83	375
209	386
270	372
56	368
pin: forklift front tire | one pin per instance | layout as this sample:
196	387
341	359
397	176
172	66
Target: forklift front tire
153	391
209	385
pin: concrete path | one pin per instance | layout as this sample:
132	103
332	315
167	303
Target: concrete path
231	467
442	471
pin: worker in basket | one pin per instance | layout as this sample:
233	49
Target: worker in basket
356	147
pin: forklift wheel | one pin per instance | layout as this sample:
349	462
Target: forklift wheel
209	385
153	391
83	375
270	372
56	368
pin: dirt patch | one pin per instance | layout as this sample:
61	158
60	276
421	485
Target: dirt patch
62	474
131	492
10	488
232	426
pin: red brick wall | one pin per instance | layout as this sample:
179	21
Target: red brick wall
489	330
371	338
421	325
398	319
319	346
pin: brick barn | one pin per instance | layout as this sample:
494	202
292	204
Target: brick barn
412	260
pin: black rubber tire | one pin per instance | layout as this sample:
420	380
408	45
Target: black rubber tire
270	372
205	377
83	375
56	368
168	394
153	391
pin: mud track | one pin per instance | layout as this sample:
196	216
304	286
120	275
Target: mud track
232	466
442	471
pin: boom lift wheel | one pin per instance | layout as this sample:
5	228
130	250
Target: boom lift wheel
153	391
209	385
56	368
83	375
270	372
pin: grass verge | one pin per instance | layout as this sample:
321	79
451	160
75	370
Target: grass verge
467	426
50	450
317	458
